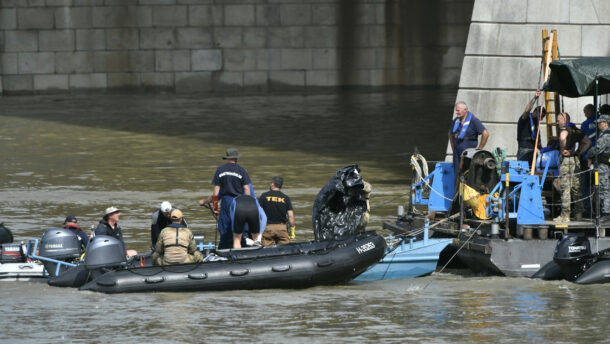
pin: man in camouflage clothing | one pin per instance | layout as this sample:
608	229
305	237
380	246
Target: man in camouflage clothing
568	170
602	150
176	244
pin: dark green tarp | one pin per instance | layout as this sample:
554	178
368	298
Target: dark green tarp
576	78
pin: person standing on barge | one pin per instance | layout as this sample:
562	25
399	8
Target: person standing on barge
527	129
464	132
589	127
602	151
569	182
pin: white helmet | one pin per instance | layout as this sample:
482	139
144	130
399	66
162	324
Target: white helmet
166	207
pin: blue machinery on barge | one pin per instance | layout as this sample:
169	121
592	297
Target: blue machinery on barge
512	238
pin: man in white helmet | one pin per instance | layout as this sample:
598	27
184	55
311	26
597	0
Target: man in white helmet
160	219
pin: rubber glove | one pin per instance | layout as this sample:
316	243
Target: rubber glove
292	235
215	203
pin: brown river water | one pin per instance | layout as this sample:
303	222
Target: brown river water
78	154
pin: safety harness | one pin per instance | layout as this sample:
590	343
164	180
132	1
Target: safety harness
177	242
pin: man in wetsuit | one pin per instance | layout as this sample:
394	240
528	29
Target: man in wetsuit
278	209
230	181
243	211
464	132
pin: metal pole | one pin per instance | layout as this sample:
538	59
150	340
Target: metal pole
507	231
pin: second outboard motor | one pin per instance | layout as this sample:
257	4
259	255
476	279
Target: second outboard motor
59	244
104	252
11	253
573	255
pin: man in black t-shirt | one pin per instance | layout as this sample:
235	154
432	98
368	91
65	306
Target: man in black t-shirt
278	208
527	129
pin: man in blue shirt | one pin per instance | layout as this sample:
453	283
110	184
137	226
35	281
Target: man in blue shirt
230	181
464	132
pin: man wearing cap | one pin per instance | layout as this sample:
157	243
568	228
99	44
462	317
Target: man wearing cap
230	181
602	151
71	223
160	220
176	244
278	209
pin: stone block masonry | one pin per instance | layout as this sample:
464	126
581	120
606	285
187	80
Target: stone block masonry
229	46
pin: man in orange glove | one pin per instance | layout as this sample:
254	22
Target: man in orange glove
230	181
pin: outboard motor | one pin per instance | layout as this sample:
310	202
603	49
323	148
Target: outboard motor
59	244
573	255
11	253
5	235
103	253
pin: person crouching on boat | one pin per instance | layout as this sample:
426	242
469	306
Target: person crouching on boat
109	225
245	211
230	180
176	244
71	223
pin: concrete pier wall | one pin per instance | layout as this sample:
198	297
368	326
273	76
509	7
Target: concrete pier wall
501	66
229	45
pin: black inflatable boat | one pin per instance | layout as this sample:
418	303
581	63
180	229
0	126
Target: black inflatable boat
574	262
298	265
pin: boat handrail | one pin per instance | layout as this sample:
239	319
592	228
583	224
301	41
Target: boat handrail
31	253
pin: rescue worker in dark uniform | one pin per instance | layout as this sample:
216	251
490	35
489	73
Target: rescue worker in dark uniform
71	223
109	225
160	220
230	181
569	182
602	151
464	132
589	127
176	244
278	208
527	129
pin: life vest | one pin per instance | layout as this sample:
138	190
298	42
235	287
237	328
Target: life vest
175	243
456	125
